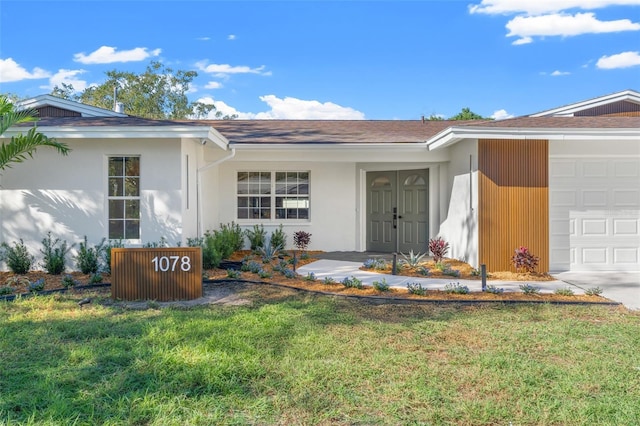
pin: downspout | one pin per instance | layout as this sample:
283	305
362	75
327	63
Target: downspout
200	213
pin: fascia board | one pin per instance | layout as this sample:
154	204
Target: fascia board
453	135
420	146
217	138
119	132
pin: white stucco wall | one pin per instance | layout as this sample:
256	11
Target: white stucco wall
332	221
460	228
66	195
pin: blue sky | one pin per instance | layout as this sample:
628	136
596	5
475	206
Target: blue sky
335	60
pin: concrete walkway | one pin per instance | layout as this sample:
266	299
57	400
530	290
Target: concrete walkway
341	269
621	287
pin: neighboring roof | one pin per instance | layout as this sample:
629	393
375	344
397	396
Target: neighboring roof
54	101
572	109
541	128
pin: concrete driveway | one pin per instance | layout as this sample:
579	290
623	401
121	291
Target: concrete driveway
623	287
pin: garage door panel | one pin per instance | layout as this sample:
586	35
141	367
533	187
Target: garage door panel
594	213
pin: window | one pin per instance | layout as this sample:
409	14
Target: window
273	195
124	198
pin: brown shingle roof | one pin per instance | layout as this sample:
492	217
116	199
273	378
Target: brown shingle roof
593	122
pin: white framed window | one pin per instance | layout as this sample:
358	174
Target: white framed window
270	195
123	196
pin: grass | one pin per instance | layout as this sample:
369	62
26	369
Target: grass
301	359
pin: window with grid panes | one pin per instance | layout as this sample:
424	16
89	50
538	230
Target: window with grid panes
273	195
124	198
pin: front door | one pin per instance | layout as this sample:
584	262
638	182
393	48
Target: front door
398	211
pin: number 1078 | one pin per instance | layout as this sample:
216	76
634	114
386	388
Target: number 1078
171	263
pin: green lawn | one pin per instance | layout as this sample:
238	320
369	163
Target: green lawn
303	359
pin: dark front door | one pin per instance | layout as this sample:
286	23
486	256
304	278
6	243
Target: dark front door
398	211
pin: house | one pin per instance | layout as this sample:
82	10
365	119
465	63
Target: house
563	182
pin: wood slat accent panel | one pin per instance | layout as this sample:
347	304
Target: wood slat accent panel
136	276
513	201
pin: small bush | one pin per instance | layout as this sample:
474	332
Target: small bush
416	288
376	264
233	273
17	281
456	288
106	253
329	280
279	239
55	254
301	239
494	290
451	272
423	270
256	236
37	285
524	261
438	248
413	259
232	236
264	274
68	281
381	285
441	266
593	291
310	277
304	256
268	251
564	291
6	289
352	282
212	254
289	273
529	289
18	259
88	258
95	278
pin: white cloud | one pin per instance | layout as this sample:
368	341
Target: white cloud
213	85
67	77
565	25
621	60
558	73
11	71
108	55
222	70
203	38
501	114
289	109
537	7
293	108
231	37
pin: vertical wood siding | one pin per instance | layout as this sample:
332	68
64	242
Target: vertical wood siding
134	275
513	201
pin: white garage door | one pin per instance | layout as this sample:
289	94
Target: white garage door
594	213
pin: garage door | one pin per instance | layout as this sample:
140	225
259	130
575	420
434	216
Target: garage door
594	213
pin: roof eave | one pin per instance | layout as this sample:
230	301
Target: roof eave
456	134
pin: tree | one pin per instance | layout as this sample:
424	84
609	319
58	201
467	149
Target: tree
21	146
467	114
158	93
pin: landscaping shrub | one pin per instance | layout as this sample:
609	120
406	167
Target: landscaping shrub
416	288
529	289
376	264
301	239
352	282
18	259
593	291
456	288
232	236
564	291
37	285
55	254
279	239
106	253
88	258
381	285
256	236
68	281
412	259
438	248
524	260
